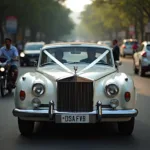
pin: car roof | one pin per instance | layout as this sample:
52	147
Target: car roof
130	40
34	43
64	44
146	42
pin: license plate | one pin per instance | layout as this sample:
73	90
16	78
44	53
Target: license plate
74	118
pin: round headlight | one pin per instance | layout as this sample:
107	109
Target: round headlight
2	69
22	54
38	89
111	90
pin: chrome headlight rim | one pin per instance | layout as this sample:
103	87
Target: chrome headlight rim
2	69
108	93
34	88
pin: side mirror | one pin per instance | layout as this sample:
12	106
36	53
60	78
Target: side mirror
118	63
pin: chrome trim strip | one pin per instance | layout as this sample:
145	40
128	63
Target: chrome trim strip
105	112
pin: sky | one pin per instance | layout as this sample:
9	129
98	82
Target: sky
77	6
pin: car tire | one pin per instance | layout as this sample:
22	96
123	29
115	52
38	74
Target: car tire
136	71
21	65
25	127
141	72
126	128
2	88
134	68
10	90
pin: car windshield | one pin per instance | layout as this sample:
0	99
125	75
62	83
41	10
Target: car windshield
108	43
33	46
131	43
77	55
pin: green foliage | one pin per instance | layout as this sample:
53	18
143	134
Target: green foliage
108	16
46	16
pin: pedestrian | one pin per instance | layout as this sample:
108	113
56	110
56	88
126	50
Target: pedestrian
116	50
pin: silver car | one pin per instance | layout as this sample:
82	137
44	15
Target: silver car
31	53
141	59
126	47
75	83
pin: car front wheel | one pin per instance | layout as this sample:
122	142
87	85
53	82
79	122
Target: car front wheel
126	128
141	71
134	68
26	127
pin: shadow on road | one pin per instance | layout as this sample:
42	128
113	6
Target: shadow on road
7	96
45	131
86	137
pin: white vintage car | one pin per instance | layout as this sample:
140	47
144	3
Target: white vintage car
75	83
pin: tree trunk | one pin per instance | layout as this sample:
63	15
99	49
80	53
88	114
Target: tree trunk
142	26
33	33
136	26
1	33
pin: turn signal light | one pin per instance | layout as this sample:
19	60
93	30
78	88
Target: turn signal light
22	95
127	96
144	54
124	46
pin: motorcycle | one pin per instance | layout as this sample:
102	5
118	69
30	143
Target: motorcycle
5	77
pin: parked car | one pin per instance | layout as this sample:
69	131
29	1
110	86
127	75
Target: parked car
141	59
75	83
30	54
127	47
108	43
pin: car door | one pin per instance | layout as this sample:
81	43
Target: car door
137	55
148	51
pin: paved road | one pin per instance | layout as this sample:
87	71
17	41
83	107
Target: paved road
47	137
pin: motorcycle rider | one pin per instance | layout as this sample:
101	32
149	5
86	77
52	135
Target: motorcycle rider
11	53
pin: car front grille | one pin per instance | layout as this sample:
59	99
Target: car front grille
32	55
74	96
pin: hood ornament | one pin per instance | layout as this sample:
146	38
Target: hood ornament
75	69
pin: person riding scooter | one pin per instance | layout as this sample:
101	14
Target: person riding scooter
11	53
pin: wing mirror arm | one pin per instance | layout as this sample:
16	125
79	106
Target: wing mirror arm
118	63
35	63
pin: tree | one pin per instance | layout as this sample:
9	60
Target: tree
49	17
108	16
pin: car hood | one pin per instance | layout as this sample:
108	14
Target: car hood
32	51
94	73
90	71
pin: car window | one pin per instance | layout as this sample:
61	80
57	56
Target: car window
130	43
33	47
148	47
78	55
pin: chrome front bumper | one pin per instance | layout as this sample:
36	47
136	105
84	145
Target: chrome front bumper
95	116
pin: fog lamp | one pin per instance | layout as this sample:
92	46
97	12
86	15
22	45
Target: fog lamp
114	103
36	102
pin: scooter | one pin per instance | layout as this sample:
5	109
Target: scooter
5	78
